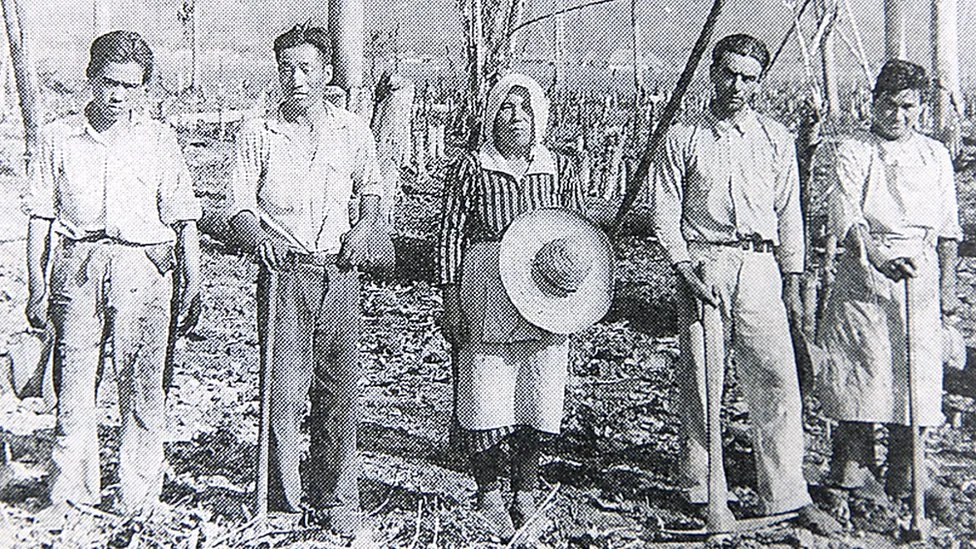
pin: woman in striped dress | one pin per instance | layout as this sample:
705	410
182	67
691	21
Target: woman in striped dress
510	375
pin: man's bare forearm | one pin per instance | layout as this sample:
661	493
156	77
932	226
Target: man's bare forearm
38	250
948	250
188	251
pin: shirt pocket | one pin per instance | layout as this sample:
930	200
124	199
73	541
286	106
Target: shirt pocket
80	189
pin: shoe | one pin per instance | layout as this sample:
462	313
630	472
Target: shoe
818	521
523	508
939	504
491	507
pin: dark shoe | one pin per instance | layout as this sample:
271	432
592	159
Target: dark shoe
818	521
523	507
491	507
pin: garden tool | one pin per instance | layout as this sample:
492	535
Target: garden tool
719	519
918	528
264	389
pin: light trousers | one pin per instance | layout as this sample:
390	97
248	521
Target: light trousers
757	335
106	290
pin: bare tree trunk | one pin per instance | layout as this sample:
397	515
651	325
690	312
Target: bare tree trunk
635	44
195	46
392	125
346	19
559	46
945	68
828	60
895	29
101	16
24	75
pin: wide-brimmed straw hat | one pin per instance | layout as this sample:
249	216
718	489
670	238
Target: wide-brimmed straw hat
557	268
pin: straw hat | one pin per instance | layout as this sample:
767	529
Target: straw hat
557	268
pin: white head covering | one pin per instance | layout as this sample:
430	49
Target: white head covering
497	95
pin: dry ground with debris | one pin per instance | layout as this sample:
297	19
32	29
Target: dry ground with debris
609	475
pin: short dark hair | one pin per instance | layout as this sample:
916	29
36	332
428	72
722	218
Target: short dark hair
742	44
305	34
898	75
120	47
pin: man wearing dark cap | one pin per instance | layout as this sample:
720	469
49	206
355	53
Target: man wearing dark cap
297	171
894	209
726	208
112	207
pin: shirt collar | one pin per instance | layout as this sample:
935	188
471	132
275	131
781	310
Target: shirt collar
327	118
81	125
540	161
744	121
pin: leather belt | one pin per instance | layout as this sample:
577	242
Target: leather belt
752	245
314	259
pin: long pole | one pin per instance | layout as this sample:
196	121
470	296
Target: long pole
636	179
264	388
719	518
347	19
918	528
24	75
895	37
945	69
195	46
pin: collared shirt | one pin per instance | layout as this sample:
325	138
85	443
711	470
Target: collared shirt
301	186
130	183
894	188
484	195
721	181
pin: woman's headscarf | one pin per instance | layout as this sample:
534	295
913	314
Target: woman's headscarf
537	98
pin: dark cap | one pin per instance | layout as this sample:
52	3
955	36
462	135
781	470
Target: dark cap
897	75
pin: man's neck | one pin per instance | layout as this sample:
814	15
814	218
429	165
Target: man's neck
303	116
98	121
726	113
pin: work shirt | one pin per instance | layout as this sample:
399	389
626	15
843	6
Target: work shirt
129	183
484	195
722	181
301	186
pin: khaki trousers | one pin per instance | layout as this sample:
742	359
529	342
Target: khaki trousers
313	390
106	290
757	333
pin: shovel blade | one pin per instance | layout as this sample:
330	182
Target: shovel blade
735	527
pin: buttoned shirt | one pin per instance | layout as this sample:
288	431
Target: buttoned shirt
301	186
722	181
484	195
129	183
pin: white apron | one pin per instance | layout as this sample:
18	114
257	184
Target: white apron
509	371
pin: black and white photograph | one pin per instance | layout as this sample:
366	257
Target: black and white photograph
424	274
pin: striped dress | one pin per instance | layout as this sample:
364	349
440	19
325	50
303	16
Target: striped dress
509	373
479	205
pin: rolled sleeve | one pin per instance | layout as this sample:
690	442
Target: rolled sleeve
250	153
845	188
949	226
666	183
43	174
367	179
789	213
177	200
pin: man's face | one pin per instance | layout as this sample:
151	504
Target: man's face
896	114
736	80
116	88
513	123
303	74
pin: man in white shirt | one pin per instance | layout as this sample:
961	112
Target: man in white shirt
296	172
112	207
727	211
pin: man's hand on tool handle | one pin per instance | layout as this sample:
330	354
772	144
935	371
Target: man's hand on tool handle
695	284
899	268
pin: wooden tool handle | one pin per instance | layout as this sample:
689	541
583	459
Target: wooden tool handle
919	526
264	389
719	518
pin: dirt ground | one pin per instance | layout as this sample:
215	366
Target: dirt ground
609	477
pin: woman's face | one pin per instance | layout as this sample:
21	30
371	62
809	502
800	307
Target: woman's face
514	121
896	114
